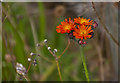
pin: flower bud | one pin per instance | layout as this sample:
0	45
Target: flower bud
38	54
32	54
34	62
38	45
95	25
45	41
80	42
55	50
84	42
29	59
49	48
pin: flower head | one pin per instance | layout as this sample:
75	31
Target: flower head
83	32
66	26
83	21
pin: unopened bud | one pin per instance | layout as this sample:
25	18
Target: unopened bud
34	62
80	42
38	54
95	25
55	50
29	59
38	45
45	41
49	48
84	43
32	54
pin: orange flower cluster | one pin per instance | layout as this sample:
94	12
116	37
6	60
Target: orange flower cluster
82	32
80	28
66	26
83	21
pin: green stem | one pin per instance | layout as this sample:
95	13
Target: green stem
84	63
59	70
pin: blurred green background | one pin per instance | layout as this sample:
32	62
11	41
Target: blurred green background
26	24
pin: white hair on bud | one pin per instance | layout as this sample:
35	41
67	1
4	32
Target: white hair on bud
55	50
38	44
31	54
29	59
49	48
45	40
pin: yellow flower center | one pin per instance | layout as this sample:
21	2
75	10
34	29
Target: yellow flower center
83	32
67	27
83	20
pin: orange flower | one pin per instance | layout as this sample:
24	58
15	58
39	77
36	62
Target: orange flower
83	21
83	32
66	26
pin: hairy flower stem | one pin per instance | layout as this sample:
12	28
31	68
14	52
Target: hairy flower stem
59	70
84	63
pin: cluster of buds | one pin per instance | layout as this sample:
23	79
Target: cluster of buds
34	61
20	69
42	43
50	50
54	51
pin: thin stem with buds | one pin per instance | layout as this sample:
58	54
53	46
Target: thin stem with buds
58	67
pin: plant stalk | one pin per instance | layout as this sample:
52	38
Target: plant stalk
59	70
84	63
